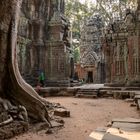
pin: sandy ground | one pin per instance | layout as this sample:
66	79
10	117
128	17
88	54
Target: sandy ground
86	116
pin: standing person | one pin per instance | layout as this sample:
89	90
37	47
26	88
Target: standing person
42	79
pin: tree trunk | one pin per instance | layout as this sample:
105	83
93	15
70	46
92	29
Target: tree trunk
12	85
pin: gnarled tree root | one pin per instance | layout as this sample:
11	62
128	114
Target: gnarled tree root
9	120
16	88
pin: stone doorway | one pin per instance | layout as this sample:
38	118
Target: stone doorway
90	77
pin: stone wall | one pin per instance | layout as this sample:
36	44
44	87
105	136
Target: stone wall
121	46
37	28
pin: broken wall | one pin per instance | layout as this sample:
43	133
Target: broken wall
35	33
121	48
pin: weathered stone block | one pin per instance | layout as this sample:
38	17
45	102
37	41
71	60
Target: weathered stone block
62	112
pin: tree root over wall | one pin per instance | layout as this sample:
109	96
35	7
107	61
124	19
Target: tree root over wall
13	86
19	90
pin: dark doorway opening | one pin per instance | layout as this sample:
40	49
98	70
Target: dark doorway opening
90	77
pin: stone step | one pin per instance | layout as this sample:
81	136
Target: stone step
121	129
114	134
111	88
98	133
114	84
137	97
105	93
85	96
118	94
87	93
96	136
87	89
120	134
127	126
132	88
126	120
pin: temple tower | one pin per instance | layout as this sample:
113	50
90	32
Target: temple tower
58	51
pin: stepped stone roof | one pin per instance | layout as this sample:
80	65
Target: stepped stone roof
90	41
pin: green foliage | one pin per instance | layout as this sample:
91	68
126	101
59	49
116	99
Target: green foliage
76	55
77	13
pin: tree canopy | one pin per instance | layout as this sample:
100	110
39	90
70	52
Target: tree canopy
78	12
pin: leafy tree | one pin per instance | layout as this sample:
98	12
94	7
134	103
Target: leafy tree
109	10
76	55
77	13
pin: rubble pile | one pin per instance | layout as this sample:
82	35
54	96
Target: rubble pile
14	119
12	123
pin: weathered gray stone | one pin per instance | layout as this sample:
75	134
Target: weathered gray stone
127	120
62	112
121	47
109	136
43	43
127	126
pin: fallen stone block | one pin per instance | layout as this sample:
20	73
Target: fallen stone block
118	134
56	124
129	100
40	126
127	126
96	136
98	133
109	136
61	112
137	97
126	120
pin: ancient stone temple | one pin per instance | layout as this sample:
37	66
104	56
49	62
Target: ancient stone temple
58	50
121	46
43	42
92	59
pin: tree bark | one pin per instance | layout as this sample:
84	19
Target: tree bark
12	84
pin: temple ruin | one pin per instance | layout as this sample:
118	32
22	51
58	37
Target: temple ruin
34	38
92	59
121	50
106	52
43	42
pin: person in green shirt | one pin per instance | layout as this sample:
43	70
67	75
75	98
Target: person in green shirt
42	79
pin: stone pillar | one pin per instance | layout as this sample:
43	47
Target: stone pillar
58	55
57	64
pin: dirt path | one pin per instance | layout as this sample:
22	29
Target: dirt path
86	115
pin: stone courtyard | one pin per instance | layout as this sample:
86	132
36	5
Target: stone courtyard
86	116
69	70
91	116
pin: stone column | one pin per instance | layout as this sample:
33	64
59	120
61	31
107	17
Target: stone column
138	3
57	55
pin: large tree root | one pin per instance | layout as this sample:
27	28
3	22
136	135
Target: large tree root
16	88
9	120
